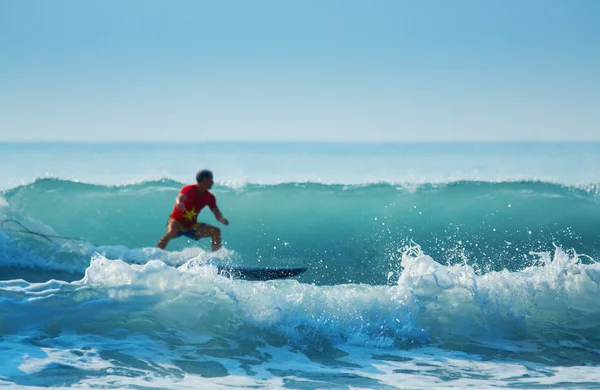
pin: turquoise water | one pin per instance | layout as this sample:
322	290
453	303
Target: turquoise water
429	265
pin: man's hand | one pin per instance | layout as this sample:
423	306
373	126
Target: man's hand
219	216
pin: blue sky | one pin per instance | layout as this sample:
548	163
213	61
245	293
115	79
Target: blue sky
327	70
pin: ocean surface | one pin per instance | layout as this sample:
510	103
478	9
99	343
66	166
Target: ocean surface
429	266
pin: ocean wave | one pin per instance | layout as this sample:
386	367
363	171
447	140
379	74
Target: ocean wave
348	233
49	181
549	303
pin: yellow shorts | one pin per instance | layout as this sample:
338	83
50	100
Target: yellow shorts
186	231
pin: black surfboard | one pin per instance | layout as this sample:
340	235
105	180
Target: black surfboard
253	273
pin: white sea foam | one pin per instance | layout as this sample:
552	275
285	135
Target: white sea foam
370	324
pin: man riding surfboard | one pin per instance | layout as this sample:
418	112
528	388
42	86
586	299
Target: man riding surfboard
183	219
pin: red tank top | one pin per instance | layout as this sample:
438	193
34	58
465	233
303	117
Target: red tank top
193	202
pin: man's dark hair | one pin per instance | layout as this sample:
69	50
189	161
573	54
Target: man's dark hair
203	174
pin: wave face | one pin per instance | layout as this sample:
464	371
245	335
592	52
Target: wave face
343	233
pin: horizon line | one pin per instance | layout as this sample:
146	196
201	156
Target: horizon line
309	141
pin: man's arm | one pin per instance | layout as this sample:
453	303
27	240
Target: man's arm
219	216
179	202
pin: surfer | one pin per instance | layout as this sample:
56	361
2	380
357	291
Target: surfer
191	199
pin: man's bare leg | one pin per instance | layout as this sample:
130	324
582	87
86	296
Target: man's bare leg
206	230
172	232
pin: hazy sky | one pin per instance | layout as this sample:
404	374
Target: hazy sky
341	70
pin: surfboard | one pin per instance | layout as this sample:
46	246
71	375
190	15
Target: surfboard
253	273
